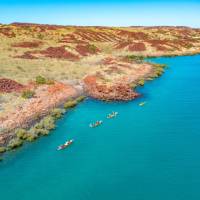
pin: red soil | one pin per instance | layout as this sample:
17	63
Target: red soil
94	36
108	61
122	45
132	46
133	35
6	31
90	80
56	87
27	55
8	85
86	50
158	44
71	38
137	47
59	52
27	44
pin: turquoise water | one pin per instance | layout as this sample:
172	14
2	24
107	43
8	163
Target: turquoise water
146	153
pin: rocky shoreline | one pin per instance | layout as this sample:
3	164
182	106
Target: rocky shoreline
52	66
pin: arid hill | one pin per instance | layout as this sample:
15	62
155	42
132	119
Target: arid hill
47	64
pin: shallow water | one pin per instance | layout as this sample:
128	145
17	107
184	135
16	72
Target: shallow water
146	153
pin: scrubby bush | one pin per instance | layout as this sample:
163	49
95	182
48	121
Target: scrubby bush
27	94
14	143
43	132
41	128
92	48
21	133
39	131
158	69
80	98
40	80
138	59
141	82
70	104
57	113
2	149
31	136
48	123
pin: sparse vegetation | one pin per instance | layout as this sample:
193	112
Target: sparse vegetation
40	80
158	69
27	94
31	136
80	98
21	133
141	82
15	143
57	113
2	149
138	59
92	48
70	104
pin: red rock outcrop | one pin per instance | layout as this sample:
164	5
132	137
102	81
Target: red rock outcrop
59	52
115	92
8	85
87	49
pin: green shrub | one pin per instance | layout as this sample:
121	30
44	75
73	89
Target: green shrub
57	113
2	149
39	131
32	134
135	58
39	125
27	94
48	123
80	98
14	143
70	104
92	48
21	133
41	128
141	82
31	137
40	80
44	132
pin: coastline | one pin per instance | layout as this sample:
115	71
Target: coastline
18	124
102	63
81	93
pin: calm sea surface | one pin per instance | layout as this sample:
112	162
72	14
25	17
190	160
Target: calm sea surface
146	153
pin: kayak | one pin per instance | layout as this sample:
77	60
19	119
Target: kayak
142	103
95	124
63	146
113	114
